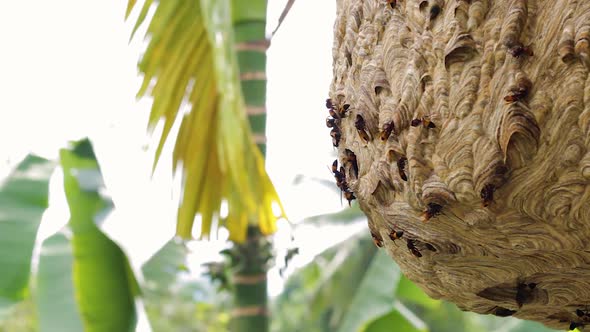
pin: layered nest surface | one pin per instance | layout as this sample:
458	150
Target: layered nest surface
463	129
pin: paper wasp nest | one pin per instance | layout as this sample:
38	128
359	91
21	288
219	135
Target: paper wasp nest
466	126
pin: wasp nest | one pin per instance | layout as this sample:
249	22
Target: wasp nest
463	129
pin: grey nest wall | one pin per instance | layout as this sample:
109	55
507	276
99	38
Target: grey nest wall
463	129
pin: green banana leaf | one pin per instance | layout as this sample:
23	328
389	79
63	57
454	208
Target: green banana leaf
344	288
446	317
104	284
163	268
345	216
525	326
175	301
439	315
191	59
23	200
395	320
375	295
490	323
55	298
408	292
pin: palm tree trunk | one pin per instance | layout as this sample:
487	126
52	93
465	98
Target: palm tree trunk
250	311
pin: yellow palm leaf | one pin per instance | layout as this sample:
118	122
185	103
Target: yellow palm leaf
190	56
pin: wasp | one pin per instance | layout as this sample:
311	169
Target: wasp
430	247
434	11
401	165
336	112
349	195
574	325
360	126
515	96
329	103
377	240
581	313
342	110
351	158
412	247
333	113
519	50
331	122
503	312
340	176
520	92
394	235
386	131
337	174
432	210
487	194
424	121
335	134
524	292
339	112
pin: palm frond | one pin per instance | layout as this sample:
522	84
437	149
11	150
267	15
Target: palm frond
284	13
190	56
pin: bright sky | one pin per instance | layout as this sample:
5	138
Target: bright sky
67	71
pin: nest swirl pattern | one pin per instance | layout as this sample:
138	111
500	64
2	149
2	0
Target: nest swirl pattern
469	126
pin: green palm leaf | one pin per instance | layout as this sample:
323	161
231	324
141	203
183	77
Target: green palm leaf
190	58
23	199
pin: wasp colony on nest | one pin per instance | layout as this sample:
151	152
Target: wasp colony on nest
468	152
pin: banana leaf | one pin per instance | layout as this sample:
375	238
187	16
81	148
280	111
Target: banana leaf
103	281
23	200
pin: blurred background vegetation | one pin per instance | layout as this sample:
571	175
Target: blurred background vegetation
351	286
80	278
